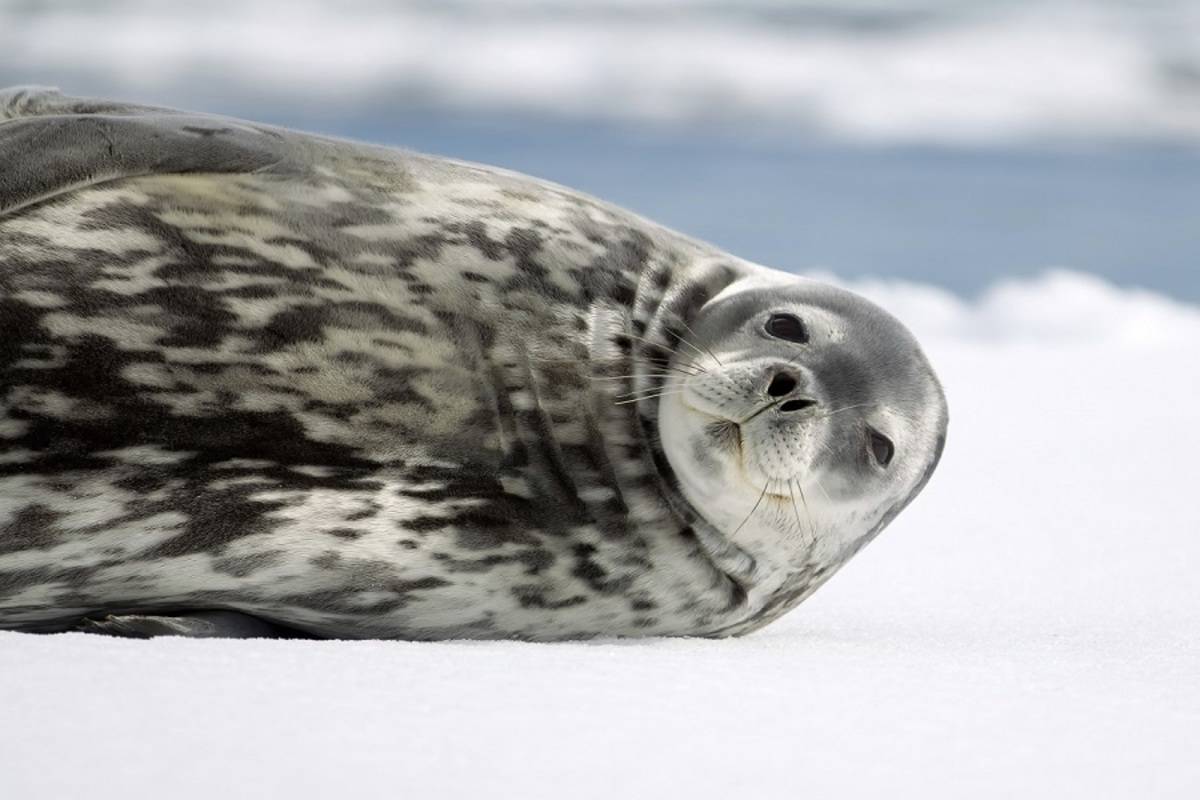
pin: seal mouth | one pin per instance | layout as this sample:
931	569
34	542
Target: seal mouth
762	410
726	434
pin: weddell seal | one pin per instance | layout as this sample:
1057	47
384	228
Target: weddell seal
259	382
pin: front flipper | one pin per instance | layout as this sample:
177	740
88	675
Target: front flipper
51	144
197	624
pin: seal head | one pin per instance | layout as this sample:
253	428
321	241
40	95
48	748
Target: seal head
799	418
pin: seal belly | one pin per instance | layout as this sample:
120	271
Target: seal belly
346	401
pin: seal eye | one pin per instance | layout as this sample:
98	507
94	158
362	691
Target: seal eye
881	447
787	327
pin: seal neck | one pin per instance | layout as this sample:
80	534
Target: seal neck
658	325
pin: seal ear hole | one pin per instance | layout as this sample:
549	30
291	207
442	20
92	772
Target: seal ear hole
882	448
787	327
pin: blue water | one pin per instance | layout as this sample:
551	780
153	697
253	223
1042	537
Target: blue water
955	217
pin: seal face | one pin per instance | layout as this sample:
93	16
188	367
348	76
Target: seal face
258	381
803	421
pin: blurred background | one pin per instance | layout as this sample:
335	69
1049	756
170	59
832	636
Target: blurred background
948	142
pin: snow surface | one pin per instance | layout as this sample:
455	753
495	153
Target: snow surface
1027	628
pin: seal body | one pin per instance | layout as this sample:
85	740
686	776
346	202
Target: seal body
357	392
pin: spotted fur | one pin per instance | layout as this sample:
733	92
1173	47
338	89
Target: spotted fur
340	388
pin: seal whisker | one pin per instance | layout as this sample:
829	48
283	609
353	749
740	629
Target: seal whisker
803	499
623	360
701	370
679	337
844	408
795	508
668	349
659	370
683	322
683	339
826	448
816	479
694	368
663	375
821	486
655	390
648	397
757	503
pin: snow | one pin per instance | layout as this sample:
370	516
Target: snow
1027	628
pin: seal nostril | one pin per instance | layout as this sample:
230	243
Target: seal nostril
781	384
797	405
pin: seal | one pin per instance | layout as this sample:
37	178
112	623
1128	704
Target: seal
259	382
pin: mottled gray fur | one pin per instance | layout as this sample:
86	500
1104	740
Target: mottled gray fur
341	389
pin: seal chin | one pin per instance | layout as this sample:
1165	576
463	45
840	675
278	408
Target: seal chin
767	467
